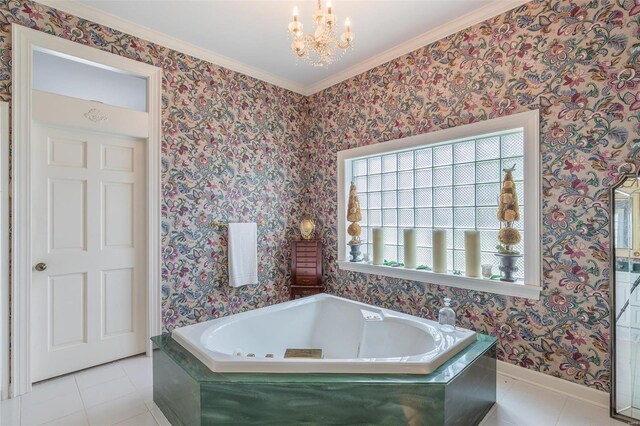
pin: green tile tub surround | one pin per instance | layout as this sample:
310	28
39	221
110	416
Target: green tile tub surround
460	392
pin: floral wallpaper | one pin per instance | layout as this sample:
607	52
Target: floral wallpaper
575	61
236	148
231	149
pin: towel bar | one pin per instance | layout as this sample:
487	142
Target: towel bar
218	224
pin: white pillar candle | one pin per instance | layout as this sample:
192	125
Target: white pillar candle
472	254
409	248
439	238
378	246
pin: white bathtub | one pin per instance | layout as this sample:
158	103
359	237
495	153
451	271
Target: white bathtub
354	338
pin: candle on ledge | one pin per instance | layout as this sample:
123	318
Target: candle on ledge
472	254
378	246
439	238
409	248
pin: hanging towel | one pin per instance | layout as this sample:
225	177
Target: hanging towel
243	254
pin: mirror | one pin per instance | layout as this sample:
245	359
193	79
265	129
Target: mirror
625	271
623	220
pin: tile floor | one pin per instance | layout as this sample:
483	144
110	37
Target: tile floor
120	393
523	404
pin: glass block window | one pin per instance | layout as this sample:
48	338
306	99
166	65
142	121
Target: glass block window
453	186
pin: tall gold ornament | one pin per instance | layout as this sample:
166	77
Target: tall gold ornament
307	228
508	212
354	215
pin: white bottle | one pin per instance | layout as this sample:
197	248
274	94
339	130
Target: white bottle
447	317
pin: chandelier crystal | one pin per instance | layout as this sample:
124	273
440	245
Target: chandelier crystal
320	48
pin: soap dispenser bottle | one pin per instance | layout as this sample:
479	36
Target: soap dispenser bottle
447	317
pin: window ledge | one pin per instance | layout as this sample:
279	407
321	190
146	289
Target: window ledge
459	281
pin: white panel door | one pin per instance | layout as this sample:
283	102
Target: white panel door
88	285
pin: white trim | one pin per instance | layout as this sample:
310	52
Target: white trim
555	384
25	41
128	27
21	207
529	121
470	19
93	14
154	208
4	250
458	281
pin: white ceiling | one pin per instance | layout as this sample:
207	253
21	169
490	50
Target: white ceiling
252	37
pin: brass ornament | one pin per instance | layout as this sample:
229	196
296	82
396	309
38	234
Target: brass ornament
307	228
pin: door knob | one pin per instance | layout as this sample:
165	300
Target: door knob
41	267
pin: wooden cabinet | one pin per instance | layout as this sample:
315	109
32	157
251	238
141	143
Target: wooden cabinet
306	268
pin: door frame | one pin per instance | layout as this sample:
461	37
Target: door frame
4	249
25	42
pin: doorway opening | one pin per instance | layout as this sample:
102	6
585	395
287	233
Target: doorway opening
86	207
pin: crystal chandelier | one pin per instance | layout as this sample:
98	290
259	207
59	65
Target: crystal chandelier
320	47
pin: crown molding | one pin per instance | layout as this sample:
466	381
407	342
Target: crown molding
488	11
128	27
465	21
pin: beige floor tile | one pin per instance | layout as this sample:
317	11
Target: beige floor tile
117	410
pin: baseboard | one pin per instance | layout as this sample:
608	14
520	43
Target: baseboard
555	384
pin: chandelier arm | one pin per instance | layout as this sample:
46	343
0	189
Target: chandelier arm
339	43
342	45
309	38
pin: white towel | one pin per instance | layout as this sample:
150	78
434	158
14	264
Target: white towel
243	254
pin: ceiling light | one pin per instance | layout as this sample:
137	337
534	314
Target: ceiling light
321	47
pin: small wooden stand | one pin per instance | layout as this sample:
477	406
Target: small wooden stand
306	268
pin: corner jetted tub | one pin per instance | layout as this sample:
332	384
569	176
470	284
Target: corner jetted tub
353	338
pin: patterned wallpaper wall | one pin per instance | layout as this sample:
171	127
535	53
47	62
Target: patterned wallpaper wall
576	61
235	148
231	149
